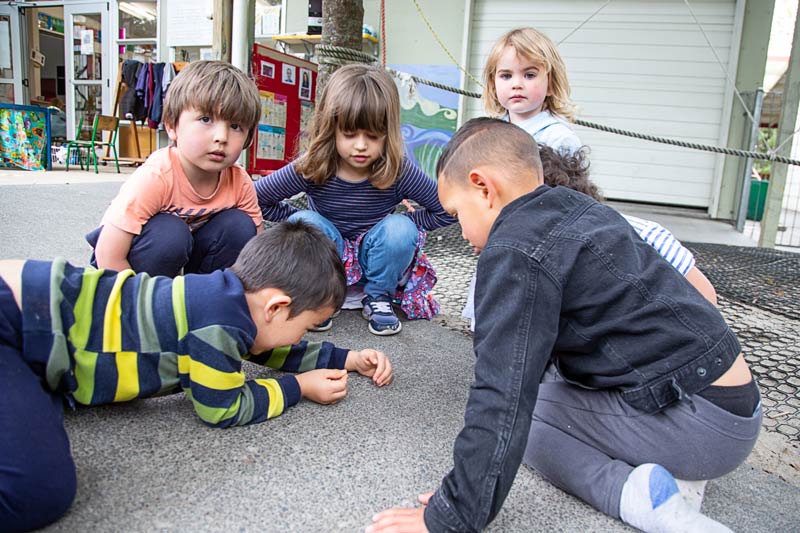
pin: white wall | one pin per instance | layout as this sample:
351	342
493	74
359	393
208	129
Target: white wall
640	65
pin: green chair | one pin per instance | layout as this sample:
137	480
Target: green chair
87	148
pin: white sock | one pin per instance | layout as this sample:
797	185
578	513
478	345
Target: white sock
652	502
692	492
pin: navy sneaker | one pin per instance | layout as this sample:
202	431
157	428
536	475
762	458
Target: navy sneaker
325	325
378	310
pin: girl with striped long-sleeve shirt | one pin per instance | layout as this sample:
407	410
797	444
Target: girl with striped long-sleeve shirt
354	175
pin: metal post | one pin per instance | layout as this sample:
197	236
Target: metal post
242	33
748	163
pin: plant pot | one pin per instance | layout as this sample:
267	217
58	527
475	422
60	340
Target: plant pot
757	200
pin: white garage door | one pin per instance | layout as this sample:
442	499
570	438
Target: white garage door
638	65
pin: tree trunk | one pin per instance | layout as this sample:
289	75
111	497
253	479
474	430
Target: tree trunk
342	23
221	47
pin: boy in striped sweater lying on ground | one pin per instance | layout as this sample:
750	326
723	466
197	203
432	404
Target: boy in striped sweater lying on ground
96	336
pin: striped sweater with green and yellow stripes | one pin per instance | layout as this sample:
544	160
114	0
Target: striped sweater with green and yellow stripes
101	336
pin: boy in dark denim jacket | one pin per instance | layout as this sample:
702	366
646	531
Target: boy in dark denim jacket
598	364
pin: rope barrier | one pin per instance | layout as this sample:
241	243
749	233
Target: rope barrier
383	33
339	55
769	156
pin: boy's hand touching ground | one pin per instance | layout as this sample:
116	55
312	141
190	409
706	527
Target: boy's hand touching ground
370	363
402	520
323	385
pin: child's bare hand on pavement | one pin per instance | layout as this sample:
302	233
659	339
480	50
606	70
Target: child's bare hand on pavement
371	363
402	520
323	386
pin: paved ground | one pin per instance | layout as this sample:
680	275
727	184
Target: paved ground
151	465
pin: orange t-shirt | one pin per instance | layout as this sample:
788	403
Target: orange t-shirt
160	186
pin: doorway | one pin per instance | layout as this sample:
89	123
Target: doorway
11	65
87	67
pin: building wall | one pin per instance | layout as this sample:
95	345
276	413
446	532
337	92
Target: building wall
636	65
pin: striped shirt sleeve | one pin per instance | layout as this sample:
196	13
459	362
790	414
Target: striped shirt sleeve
664	243
302	357
213	379
274	189
419	187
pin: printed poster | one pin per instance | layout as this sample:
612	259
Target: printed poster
87	42
272	126
306	114
271	143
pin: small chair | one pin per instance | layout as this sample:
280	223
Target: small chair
101	124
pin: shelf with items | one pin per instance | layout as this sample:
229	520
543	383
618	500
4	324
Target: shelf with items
51	33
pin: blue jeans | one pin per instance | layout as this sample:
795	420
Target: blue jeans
166	245
386	250
37	474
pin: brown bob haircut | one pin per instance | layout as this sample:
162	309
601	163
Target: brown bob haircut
356	97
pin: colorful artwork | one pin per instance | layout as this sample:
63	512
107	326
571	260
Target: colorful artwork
23	137
429	116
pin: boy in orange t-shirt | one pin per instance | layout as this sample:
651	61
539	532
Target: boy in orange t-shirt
190	206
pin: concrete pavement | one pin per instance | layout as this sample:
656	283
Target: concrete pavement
151	465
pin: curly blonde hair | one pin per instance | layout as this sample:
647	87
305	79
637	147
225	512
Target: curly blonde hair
535	46
357	97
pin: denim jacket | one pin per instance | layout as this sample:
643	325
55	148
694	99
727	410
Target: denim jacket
566	279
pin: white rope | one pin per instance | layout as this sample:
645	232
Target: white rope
579	26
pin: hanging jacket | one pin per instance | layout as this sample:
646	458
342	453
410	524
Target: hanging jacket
158	96
131	106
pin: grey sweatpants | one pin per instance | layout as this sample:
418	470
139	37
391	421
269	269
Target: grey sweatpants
587	442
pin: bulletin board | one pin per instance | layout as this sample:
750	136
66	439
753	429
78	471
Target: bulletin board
287	85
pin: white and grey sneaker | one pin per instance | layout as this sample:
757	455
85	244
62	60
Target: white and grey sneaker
382	320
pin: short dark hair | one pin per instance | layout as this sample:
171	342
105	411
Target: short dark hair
298	259
568	169
483	141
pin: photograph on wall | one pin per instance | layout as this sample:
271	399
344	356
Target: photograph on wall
305	84
268	69
289	76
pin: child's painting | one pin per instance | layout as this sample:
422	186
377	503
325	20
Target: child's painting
428	115
23	137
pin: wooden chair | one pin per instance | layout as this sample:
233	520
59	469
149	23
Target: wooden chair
101	125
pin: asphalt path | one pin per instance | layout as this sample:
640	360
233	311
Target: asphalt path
150	465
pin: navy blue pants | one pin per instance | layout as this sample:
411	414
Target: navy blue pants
166	245
37	474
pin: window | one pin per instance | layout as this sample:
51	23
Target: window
138	30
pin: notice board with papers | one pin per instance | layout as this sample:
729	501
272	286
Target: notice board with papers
287	86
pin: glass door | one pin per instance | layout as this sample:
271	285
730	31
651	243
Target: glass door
86	30
11	73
